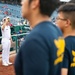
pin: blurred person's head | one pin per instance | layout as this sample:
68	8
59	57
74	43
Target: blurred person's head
65	19
38	7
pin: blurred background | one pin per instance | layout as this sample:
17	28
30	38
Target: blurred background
19	26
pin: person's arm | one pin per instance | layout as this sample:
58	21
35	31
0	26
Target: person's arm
32	59
64	70
3	26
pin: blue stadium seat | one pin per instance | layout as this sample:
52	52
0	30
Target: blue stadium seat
13	11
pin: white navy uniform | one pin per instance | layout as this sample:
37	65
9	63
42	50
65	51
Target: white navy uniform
6	43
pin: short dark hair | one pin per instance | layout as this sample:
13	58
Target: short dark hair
47	6
68	11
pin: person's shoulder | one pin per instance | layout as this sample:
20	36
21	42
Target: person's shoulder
70	41
47	26
55	30
31	39
46	29
70	38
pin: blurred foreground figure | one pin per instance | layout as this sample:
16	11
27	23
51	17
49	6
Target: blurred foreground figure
42	51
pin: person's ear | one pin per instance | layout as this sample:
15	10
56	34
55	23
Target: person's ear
68	23
34	4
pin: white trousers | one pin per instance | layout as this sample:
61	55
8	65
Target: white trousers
6	50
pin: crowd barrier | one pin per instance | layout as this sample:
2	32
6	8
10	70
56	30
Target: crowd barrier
16	42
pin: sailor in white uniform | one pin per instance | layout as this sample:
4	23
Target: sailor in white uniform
6	42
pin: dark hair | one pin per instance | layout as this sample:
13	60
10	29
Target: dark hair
68	7
68	11
47	6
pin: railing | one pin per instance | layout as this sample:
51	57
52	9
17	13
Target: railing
16	39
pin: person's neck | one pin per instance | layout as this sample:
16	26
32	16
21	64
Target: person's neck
69	32
36	19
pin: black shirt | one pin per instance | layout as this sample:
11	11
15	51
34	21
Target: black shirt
69	56
40	53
